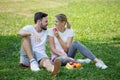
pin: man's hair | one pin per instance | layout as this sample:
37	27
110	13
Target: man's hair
39	15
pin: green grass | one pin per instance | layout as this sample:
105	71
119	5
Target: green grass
96	24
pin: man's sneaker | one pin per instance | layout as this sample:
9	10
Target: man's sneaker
34	66
83	60
101	64
57	64
24	65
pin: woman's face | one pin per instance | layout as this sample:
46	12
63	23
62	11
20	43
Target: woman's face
58	23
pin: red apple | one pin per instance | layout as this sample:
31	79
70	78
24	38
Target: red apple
71	63
54	29
74	65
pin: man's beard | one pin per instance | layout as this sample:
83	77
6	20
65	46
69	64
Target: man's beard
43	28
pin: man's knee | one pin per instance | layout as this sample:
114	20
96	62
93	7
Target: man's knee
44	62
27	38
26	41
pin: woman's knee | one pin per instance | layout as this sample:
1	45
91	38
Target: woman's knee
75	43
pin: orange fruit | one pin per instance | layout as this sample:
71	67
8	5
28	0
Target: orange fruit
78	65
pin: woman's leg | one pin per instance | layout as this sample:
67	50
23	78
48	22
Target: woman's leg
82	49
85	52
64	60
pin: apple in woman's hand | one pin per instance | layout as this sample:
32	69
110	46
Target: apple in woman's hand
54	29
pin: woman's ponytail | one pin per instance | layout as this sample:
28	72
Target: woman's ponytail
68	25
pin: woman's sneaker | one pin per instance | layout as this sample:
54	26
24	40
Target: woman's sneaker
101	64
34	65
83	60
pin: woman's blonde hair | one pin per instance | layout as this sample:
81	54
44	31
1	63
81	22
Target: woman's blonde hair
62	17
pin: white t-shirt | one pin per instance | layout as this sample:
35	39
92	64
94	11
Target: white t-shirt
64	36
37	46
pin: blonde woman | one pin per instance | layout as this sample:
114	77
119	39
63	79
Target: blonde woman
62	45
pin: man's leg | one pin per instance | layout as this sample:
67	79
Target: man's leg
54	68
27	48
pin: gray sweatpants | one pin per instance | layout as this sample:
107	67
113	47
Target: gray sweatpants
82	49
72	52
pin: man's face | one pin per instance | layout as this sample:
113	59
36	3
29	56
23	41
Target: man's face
44	23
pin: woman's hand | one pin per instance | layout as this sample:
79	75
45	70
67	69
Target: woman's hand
55	31
63	55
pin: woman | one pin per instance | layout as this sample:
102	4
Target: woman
62	45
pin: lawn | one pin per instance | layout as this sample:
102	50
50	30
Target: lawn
96	24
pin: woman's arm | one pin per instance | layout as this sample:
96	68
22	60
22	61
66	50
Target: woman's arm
66	45
52	46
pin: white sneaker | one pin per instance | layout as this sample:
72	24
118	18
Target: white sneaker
34	66
101	64
83	60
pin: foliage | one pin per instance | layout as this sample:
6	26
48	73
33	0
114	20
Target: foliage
96	24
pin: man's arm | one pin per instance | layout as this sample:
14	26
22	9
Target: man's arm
24	33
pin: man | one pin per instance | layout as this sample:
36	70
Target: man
33	45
